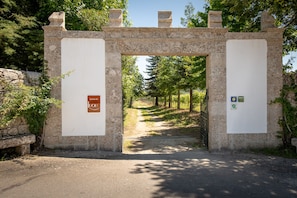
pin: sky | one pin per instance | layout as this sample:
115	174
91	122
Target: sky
145	14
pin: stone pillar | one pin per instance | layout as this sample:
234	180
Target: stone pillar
52	57
115	18
164	19
267	21
215	19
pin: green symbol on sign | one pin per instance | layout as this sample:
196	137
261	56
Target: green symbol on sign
234	106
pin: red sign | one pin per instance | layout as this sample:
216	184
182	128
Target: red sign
93	103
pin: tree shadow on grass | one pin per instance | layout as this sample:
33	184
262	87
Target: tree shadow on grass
173	116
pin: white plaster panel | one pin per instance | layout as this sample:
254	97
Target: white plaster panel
246	70
85	58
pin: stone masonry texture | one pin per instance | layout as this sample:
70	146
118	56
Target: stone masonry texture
209	42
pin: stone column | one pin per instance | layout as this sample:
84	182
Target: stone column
52	57
215	19
164	19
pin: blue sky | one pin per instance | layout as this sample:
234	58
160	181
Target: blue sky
145	14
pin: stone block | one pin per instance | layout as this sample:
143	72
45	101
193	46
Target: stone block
115	18
215	19
267	21
57	19
22	143
164	19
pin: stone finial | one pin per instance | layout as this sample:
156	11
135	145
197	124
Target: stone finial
115	18
164	19
57	19
267	21
215	19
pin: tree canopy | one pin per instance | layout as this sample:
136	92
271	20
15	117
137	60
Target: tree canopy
245	16
21	21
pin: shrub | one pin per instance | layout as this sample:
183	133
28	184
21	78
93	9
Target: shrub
30	102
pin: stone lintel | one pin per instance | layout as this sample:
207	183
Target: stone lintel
164	19
215	19
115	18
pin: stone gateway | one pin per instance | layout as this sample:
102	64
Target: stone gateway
243	76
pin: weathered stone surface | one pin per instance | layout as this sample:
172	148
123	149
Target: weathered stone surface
267	21
209	42
215	19
164	19
11	76
115	18
22	143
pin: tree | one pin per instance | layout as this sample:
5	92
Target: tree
151	81
245	16
194	20
18	37
21	22
194	66
165	82
132	80
195	75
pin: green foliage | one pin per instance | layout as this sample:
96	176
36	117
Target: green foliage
288	100
169	74
194	20
198	97
30	102
18	37
245	16
132	80
21	22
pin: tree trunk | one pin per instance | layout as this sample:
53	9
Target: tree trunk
178	99
130	102
157	101
165	101
170	100
191	100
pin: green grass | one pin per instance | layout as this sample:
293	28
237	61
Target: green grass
279	151
179	118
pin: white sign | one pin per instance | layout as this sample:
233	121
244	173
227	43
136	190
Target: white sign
247	80
85	58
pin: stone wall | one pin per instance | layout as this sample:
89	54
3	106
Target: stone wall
19	127
209	42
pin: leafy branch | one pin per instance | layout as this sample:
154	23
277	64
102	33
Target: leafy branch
30	102
288	100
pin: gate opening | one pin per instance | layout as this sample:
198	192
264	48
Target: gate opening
162	110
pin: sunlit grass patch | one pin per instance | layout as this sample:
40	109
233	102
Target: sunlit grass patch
130	120
127	145
154	133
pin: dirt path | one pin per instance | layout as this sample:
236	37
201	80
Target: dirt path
156	136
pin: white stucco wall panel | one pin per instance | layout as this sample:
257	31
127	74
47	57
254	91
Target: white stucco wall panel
85	59
246	70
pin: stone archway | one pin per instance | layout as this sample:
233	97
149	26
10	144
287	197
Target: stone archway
215	42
